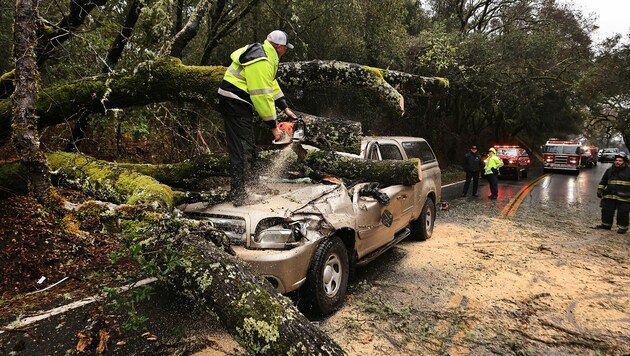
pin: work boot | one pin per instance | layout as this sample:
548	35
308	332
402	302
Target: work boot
622	231
602	227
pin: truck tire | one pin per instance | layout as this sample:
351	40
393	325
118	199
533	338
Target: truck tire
327	278
422	228
517	174
524	173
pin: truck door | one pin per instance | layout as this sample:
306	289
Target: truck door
377	223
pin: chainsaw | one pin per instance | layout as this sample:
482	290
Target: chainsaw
291	132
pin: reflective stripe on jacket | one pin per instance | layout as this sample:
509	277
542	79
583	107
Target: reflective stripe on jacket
252	76
492	162
615	184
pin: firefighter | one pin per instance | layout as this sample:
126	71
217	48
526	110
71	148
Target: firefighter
614	190
249	85
491	171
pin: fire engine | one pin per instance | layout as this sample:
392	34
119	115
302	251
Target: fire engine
515	159
562	155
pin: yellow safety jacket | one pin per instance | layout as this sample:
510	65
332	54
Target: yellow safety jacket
493	162
251	80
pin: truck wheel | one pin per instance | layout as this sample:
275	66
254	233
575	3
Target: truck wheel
517	174
422	228
524	173
327	278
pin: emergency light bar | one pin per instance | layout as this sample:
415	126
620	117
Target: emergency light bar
560	142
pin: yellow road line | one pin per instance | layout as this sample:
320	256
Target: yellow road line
512	206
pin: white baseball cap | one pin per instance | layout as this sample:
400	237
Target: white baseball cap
279	37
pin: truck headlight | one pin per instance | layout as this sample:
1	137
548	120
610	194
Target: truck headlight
275	234
279	236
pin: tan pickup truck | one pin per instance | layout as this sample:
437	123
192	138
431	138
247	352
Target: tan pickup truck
310	236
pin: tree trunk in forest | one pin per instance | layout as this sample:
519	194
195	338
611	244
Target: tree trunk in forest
115	51
113	56
52	36
223	19
181	39
25	135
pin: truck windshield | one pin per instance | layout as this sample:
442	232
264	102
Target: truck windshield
561	149
507	152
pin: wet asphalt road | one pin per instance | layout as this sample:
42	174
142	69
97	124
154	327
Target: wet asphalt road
540	194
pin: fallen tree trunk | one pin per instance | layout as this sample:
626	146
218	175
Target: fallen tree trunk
319	73
323	132
107	182
128	182
167	79
355	168
186	173
186	257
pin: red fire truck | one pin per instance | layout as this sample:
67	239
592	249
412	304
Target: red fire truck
562	155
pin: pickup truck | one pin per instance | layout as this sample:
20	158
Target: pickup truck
311	236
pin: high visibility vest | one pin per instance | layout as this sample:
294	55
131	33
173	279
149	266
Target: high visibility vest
615	184
252	76
493	162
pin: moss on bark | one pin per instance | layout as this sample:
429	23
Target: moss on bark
108	182
387	172
198	262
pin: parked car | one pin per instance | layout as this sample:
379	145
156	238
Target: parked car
516	161
310	236
608	154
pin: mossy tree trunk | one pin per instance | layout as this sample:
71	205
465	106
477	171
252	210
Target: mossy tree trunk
25	135
131	182
195	260
386	172
168	79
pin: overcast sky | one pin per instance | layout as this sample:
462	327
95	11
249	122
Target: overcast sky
613	15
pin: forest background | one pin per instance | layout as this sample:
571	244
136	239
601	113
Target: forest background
520	71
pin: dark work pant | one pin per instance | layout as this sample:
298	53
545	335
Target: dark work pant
474	176
493	182
241	147
608	212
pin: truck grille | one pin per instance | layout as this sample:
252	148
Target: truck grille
233	227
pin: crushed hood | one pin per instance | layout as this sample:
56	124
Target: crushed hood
332	202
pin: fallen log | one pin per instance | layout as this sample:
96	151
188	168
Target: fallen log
128	182
387	172
167	79
327	133
198	263
319	73
185	173
107	182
